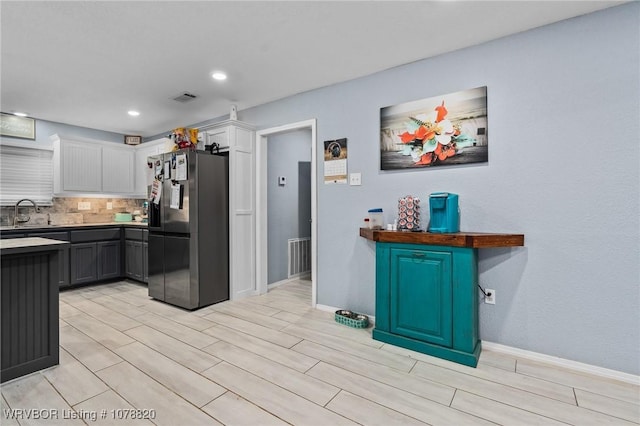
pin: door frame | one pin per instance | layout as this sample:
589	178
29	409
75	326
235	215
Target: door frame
261	203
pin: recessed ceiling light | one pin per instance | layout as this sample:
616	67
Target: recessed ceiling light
133	113
20	114
219	75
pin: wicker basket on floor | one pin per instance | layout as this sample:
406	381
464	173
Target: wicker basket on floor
351	319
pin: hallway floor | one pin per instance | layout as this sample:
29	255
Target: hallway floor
272	360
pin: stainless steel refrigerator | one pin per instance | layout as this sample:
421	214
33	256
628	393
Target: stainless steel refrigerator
189	230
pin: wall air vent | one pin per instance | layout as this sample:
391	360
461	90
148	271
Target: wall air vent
185	97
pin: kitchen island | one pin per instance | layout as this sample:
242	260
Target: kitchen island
426	290
29	298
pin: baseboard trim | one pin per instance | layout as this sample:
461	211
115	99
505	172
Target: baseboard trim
561	362
536	356
326	308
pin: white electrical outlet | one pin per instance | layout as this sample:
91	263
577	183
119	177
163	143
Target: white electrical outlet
490	298
109	205
84	205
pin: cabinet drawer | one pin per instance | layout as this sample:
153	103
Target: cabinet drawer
145	235
95	235
60	236
5	235
133	234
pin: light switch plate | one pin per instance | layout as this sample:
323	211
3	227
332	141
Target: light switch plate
109	205
355	179
84	205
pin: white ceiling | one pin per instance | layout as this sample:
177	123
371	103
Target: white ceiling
87	63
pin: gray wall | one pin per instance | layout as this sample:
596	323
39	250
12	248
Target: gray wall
289	206
563	169
44	129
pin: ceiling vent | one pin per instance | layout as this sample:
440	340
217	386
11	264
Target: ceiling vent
185	97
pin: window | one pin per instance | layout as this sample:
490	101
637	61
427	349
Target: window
25	172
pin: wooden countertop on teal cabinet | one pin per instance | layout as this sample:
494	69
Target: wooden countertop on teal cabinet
426	290
458	239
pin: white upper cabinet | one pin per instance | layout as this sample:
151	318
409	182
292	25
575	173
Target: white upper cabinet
143	151
77	166
117	169
89	167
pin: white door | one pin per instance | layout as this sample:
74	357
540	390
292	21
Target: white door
261	204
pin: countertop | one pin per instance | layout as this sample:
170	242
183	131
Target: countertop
32	244
457	239
37	228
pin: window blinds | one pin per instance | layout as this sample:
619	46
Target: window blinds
25	173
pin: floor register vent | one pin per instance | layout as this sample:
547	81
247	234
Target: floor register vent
299	257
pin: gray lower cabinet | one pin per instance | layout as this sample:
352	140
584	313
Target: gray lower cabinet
134	267
97	254
109	256
84	268
145	262
136	248
93	260
8	234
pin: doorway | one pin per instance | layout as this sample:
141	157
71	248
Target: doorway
262	243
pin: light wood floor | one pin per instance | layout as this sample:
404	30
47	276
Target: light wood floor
271	360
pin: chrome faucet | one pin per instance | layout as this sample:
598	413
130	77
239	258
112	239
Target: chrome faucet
23	218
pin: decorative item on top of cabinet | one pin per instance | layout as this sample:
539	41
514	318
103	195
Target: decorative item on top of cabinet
184	138
132	140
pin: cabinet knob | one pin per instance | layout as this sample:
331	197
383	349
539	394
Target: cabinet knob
418	254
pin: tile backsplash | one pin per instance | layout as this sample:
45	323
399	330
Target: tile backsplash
65	210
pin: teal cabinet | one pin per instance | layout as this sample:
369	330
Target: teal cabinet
427	300
420	295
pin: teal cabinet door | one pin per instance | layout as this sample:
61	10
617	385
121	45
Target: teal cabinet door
421	295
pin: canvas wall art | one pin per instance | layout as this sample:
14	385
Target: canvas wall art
442	130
